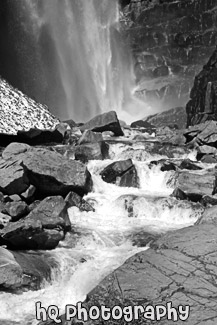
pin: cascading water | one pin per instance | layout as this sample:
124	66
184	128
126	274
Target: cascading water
86	65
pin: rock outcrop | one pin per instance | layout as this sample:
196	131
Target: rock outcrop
203	97
171	40
175	118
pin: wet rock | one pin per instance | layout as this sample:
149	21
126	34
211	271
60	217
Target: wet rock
190	165
92	151
196	184
179	268
179	194
104	122
90	137
19	270
53	174
76	200
209	216
122	173
13	178
208	200
16	209
165	165
43	228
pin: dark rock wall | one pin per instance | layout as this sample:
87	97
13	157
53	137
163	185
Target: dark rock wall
202	105
171	41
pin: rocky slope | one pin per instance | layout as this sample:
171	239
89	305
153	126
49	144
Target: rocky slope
19	112
171	41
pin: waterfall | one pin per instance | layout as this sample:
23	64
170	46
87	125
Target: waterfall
84	63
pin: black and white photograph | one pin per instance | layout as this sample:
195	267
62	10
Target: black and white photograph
108	162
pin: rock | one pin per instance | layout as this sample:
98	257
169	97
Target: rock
174	116
209	159
71	123
188	164
19	270
179	194
206	150
122	173
1	197
51	212
92	151
13	178
53	174
209	216
104	122
90	137
208	200
34	204
4	220
165	165
37	136
143	124
14	198
179	268
76	200
43	228
196	184
16	209
203	103
14	149
28	195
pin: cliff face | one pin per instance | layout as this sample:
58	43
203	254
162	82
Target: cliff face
203	103
171	41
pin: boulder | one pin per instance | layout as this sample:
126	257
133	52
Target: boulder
21	271
179	268
43	228
91	151
14	149
209	216
165	165
188	164
122	173
196	184
4	219
13	178
53	174
104	122
90	137
28	195
75	200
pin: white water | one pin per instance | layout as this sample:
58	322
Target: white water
102	240
94	65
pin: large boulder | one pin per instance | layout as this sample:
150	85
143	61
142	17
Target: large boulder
43	228
48	171
196	185
122	173
180	268
104	122
19	270
203	103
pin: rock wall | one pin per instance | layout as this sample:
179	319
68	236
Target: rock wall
171	41
203	98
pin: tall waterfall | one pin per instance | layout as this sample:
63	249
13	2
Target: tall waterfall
83	59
